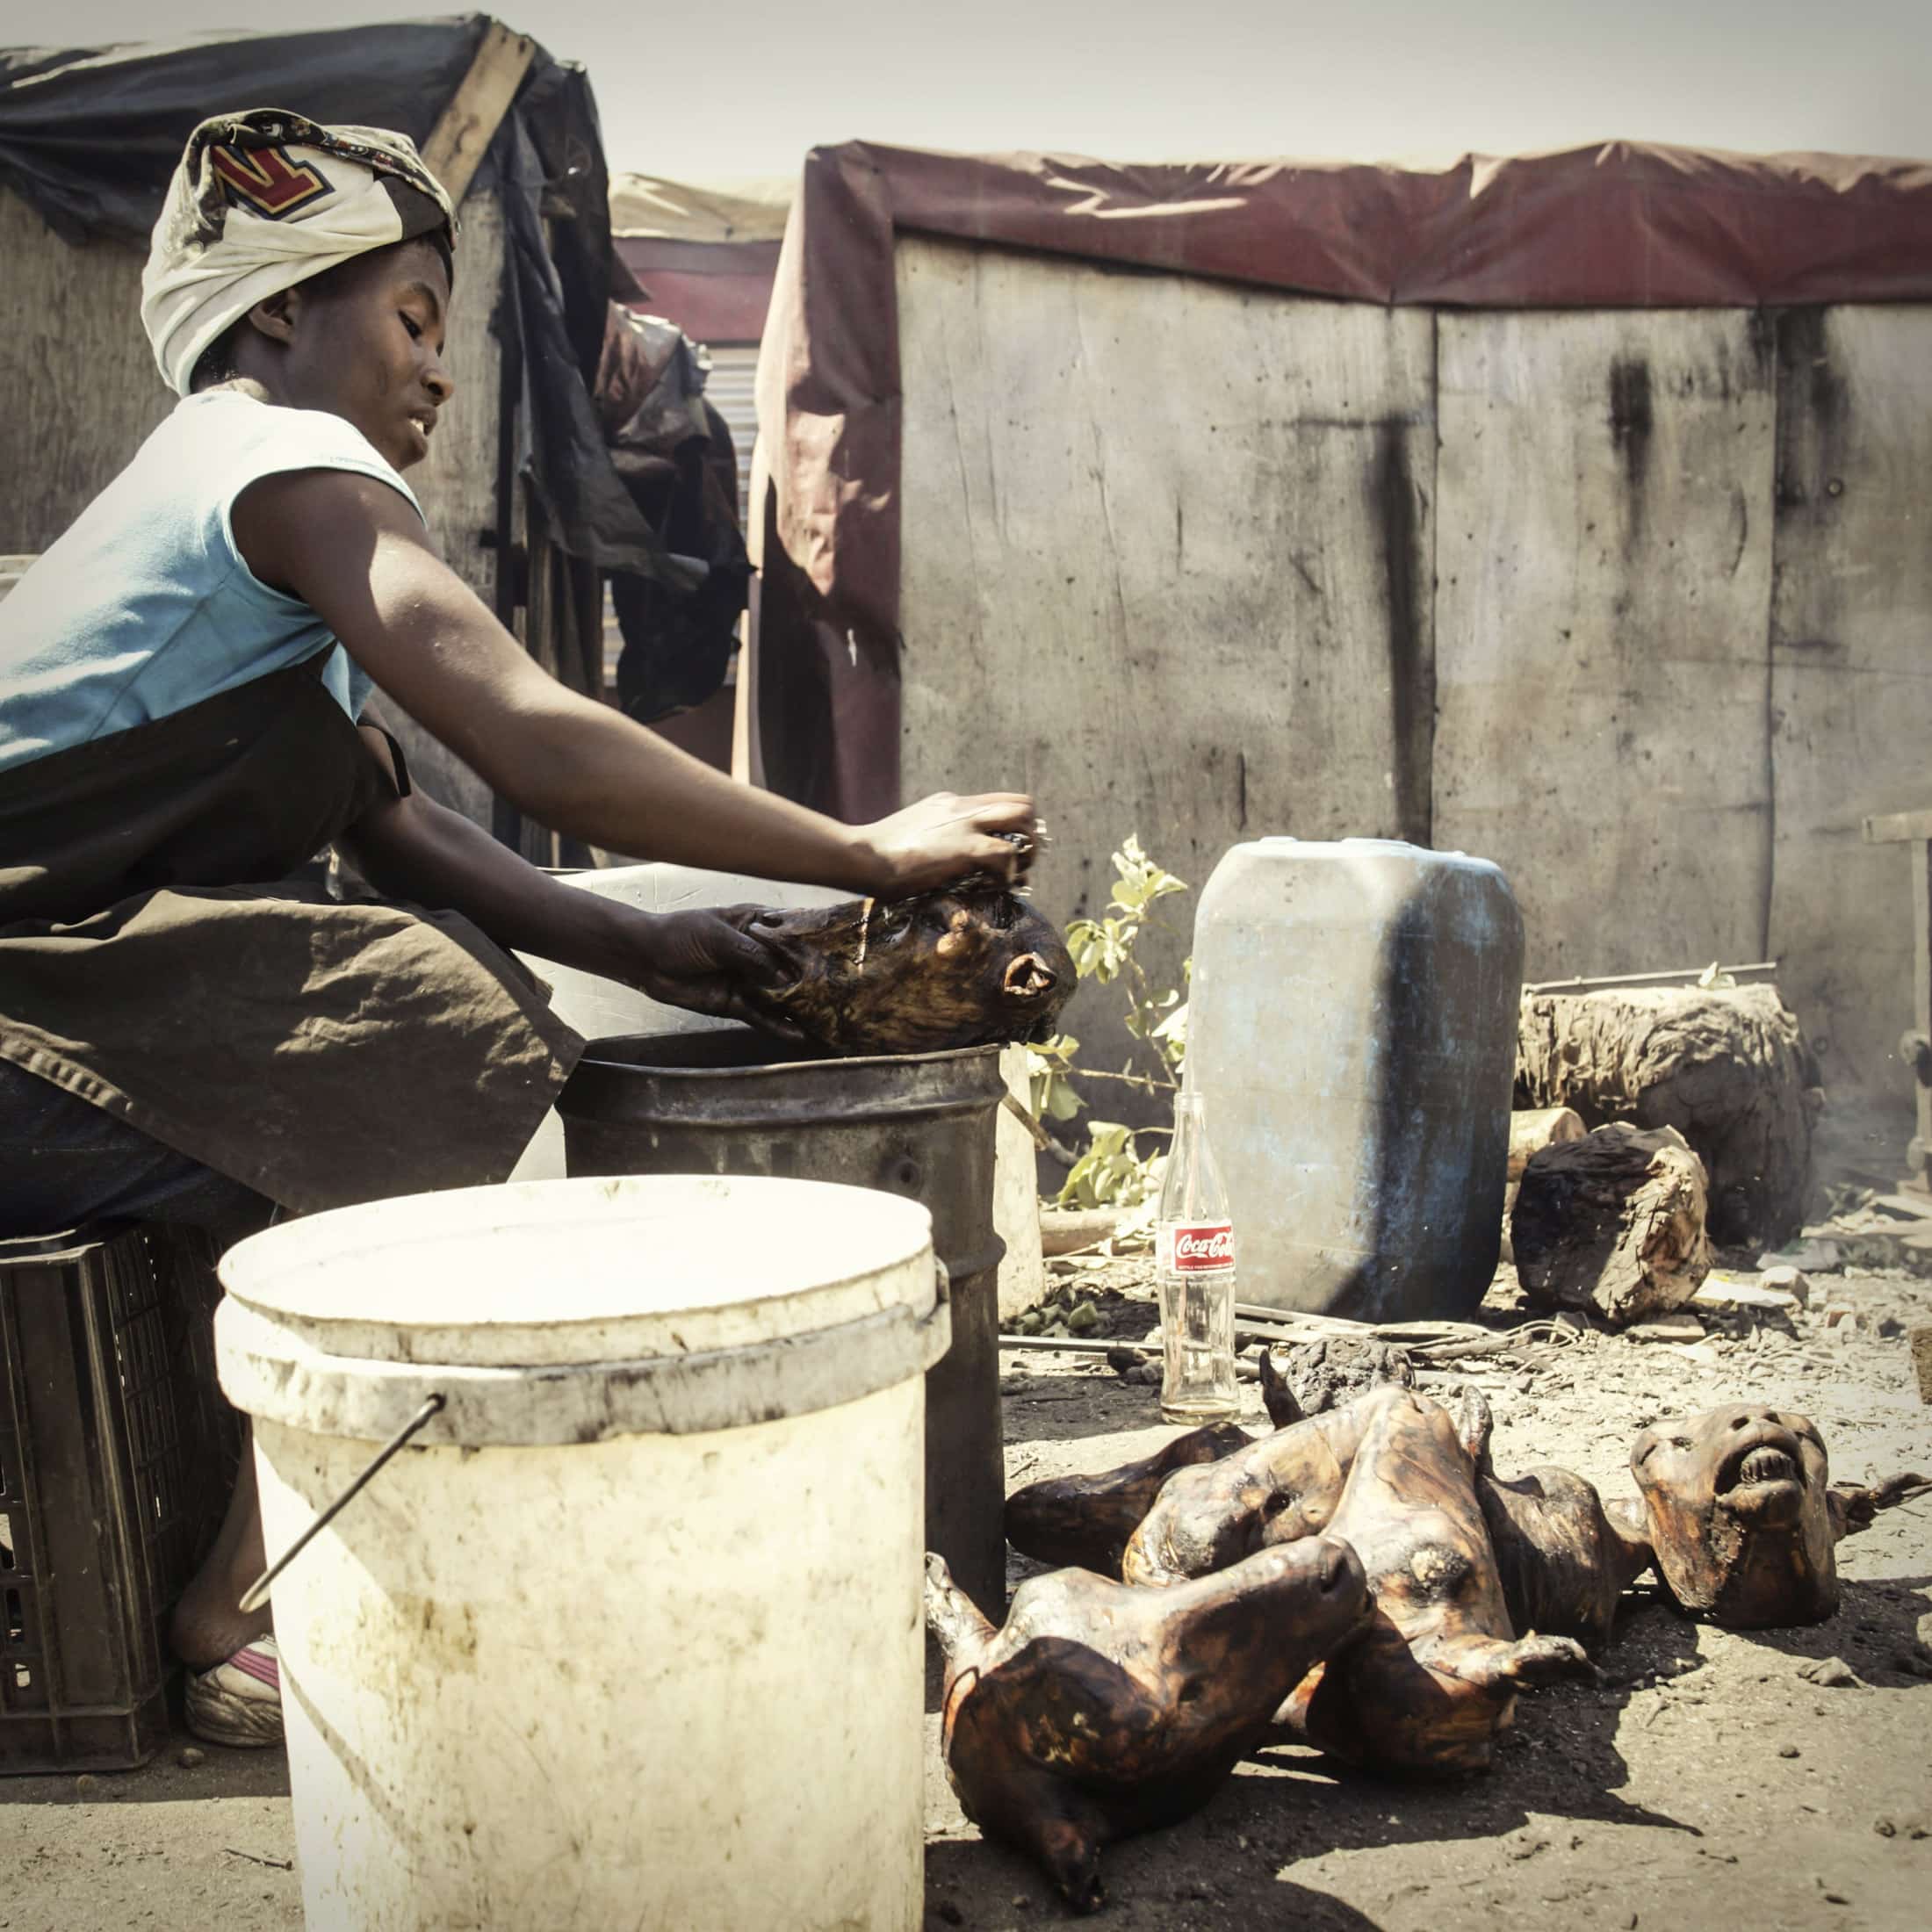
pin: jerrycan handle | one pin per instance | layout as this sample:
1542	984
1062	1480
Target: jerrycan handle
257	1592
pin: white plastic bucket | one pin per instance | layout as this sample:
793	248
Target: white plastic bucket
630	1634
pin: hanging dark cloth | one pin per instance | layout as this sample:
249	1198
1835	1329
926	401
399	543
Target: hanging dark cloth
157	960
673	448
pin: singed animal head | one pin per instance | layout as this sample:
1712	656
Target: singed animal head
974	966
1739	1512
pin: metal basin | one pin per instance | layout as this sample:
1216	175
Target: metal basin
920	1125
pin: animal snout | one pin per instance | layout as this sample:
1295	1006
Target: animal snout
1337	1567
1028	978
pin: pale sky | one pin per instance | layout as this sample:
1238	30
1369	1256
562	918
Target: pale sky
700	91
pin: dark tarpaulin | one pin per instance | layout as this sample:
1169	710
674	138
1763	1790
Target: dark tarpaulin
88	138
673	452
1621	226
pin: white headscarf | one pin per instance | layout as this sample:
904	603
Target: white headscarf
265	199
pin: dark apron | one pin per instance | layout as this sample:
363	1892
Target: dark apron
322	1053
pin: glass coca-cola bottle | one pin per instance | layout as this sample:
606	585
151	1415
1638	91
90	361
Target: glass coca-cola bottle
1195	1257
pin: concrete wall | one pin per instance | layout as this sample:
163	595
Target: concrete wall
1637	604
81	393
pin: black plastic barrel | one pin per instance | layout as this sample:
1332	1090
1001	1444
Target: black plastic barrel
921	1125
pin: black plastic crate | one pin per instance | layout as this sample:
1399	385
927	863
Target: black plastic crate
117	1454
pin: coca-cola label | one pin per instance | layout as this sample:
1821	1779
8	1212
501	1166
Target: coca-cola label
1189	1248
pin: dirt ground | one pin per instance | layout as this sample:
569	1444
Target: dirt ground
1704	1782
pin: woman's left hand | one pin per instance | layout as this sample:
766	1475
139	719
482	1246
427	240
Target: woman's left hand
707	963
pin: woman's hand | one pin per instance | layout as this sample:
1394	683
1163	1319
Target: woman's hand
707	963
357	554
945	837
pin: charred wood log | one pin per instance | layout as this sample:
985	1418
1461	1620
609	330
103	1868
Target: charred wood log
1099	1710
1613	1223
1729	1068
1532	1129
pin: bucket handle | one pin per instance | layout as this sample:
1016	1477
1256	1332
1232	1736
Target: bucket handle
257	1592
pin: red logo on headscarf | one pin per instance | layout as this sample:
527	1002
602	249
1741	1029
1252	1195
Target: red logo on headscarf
267	180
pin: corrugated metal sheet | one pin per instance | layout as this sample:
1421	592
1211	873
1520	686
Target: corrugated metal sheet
730	390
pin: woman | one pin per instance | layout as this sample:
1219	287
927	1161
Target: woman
186	1032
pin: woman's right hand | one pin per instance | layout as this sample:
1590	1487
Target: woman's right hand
945	837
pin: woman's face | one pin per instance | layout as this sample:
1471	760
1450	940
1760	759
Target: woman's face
364	342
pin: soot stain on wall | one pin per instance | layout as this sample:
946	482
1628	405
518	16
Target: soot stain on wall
1411	668
1631	418
1813	413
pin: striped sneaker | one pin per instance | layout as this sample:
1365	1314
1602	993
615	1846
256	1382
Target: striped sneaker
239	1701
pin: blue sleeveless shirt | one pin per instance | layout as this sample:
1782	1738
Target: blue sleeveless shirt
144	606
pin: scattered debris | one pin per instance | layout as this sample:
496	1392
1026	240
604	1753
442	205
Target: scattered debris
1069	1230
1834	1673
1325	1373
1669	1328
1534	1128
1140	1365
1809	1256
1766	1293
1613	1223
1921	1341
1065	1314
1867	1229
190	1757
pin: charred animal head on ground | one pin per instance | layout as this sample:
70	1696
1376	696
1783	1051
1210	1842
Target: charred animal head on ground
1740	1515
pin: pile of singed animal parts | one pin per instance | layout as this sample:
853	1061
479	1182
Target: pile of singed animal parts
1362	1576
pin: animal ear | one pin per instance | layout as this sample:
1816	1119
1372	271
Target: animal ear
1545	1660
951	1615
1282	1407
1475	1423
1027	977
1852	1507
1492	1664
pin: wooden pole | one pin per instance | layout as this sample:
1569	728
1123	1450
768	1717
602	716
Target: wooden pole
461	137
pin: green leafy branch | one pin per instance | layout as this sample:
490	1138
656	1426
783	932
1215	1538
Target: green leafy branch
1112	1170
